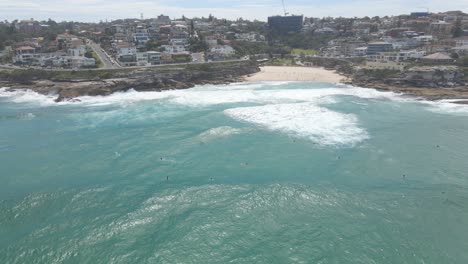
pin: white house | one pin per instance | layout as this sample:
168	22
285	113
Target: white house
141	37
425	39
225	50
77	51
125	49
461	41
174	48
361	51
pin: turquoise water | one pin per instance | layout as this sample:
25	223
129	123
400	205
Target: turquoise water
245	173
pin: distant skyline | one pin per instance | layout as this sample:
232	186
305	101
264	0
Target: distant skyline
96	10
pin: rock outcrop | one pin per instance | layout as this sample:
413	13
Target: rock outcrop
430	82
140	79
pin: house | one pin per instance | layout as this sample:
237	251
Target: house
397	56
173	49
377	47
79	62
128	60
361	51
461	51
441	29
154	57
178	42
77	51
141	59
211	41
125	49
224	50
141	37
148	58
163	20
118	29
438	58
24	54
461	41
120	37
425	39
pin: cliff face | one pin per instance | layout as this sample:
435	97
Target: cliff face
142	79
424	77
430	82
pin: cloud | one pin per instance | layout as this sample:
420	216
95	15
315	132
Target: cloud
95	10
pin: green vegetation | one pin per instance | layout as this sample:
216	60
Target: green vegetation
153	45
380	74
9	34
306	52
282	62
300	40
26	76
91	54
465	71
249	48
197	45
463	61
457	30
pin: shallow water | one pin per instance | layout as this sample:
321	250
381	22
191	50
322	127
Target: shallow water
284	172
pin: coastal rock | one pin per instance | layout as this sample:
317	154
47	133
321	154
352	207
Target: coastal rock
94	83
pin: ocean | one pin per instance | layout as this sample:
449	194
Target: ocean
269	172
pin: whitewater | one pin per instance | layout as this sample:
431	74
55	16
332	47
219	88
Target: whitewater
256	172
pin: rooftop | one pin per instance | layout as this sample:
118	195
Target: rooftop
438	56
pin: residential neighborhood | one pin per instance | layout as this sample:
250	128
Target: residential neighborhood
390	42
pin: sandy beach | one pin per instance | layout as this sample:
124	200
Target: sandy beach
285	73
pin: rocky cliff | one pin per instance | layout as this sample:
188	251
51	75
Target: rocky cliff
430	82
68	84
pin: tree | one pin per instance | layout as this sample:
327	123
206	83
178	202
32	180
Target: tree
152	45
192	27
457	29
463	61
197	45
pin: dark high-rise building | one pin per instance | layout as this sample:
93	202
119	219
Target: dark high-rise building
286	23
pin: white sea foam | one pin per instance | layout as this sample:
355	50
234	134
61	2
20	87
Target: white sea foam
27	96
307	120
219	132
448	107
208	95
27	116
124	98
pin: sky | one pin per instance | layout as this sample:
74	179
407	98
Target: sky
96	10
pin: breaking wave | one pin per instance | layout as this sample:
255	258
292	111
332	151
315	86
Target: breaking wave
219	132
307	120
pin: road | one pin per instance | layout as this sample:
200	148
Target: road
108	62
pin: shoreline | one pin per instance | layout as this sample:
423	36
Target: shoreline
184	78
296	73
68	85
318	74
460	94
